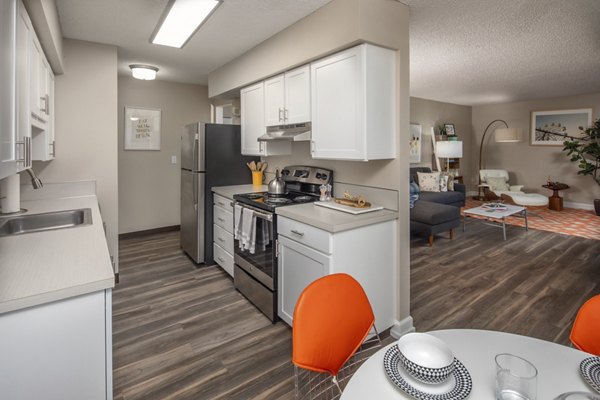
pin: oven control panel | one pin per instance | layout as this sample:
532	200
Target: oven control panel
306	174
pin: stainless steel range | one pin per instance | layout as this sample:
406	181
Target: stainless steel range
255	274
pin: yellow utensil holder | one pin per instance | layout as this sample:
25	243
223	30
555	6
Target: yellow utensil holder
257	178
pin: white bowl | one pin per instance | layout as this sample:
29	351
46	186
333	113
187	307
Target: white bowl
426	357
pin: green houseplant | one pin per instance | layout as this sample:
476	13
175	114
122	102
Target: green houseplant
586	152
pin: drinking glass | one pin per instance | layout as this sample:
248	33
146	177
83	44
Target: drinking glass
516	378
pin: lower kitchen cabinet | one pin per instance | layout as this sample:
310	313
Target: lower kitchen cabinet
59	350
223	233
367	253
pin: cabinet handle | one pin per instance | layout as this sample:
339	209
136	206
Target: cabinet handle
53	144
221	239
312	146
301	234
285	114
260	148
221	259
47	108
22	158
280	112
221	203
221	219
27	151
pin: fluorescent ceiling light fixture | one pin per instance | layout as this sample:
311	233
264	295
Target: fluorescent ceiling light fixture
144	72
180	20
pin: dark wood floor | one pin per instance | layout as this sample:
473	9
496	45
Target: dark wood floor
182	332
532	284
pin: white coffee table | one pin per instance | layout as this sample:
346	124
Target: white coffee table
496	215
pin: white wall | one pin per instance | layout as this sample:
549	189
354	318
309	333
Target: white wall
86	127
532	165
148	183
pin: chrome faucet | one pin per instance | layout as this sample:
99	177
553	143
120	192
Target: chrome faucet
35	181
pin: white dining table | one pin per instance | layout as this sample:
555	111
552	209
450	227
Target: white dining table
558	366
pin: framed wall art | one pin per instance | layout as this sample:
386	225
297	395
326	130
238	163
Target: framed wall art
449	128
142	128
552	128
415	143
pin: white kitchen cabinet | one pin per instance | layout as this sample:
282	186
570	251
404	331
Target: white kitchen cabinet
299	265
223	233
353	105
59	350
42	133
367	253
287	97
252	99
23	82
8	139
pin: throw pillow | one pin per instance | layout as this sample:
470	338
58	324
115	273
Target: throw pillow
497	184
429	181
414	194
450	180
444	183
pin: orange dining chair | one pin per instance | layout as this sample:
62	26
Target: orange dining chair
332	320
585	334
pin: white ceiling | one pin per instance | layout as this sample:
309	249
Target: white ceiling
462	51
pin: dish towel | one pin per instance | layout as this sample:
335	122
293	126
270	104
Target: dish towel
263	233
237	222
247	239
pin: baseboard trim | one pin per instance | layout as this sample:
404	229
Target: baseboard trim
579	206
162	229
403	327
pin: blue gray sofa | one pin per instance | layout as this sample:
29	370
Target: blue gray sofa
436	212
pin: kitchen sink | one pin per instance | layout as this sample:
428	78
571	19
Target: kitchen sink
22	224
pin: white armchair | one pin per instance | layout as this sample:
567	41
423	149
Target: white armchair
494	183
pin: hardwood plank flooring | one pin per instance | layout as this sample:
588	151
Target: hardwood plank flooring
532	284
182	332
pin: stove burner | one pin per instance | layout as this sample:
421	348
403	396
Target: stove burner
255	196
303	199
278	200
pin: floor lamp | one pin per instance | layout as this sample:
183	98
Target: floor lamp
501	135
449	149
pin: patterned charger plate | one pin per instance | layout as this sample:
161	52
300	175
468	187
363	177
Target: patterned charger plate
457	387
590	370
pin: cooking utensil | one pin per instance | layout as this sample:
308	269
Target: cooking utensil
253	166
277	185
263	167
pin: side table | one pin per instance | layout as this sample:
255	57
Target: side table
555	202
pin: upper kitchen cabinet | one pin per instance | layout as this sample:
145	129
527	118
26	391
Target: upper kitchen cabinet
252	100
8	157
287	98
24	39
354	108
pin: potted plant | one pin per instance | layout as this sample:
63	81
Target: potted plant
586	151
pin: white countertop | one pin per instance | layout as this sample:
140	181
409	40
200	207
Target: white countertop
38	268
229	191
332	220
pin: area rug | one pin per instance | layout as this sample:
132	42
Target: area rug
569	221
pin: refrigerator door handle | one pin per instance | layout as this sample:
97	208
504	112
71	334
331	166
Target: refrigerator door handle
195	153
195	191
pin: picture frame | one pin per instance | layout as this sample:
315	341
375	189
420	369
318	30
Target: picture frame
415	143
142	128
553	127
449	128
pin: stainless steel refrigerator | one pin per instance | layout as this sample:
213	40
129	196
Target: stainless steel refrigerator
210	156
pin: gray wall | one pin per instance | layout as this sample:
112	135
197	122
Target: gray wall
430	113
340	24
148	182
531	165
86	127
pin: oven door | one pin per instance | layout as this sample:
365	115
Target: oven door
262	263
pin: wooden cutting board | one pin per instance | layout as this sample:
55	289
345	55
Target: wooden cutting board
347	209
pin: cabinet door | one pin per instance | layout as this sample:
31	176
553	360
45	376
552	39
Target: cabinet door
297	95
274	101
8	160
337	91
23	110
253	118
298	267
35	65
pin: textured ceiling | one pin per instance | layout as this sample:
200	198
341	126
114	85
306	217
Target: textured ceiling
489	51
462	51
235	27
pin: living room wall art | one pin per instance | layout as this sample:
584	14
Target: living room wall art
142	128
415	143
552	128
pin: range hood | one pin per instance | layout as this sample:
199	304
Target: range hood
287	133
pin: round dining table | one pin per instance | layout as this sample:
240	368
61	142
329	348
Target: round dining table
557	365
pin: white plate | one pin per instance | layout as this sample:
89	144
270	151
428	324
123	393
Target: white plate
457	387
590	370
